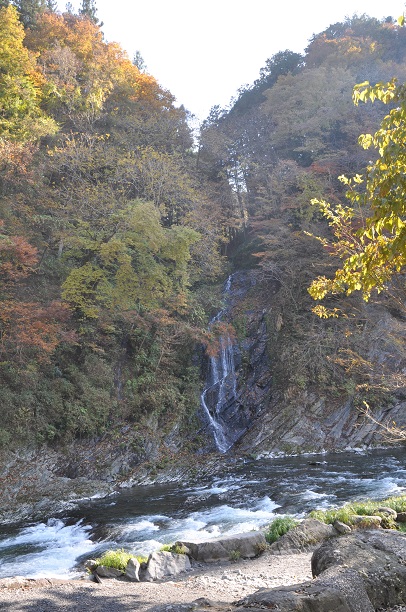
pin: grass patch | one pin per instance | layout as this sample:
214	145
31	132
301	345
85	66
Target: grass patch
364	508
177	549
114	558
117	559
279	527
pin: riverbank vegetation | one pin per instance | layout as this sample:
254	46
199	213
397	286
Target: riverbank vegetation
366	508
116	230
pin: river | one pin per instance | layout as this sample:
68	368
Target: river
248	496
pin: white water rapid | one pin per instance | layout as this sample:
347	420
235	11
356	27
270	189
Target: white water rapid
247	496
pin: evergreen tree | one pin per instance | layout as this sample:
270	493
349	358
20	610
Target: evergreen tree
138	61
29	10
52	5
88	9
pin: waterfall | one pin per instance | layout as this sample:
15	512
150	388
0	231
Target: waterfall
220	392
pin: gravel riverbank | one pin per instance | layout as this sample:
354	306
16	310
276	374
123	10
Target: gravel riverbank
223	582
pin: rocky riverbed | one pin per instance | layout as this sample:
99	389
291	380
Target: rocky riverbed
222	582
362	571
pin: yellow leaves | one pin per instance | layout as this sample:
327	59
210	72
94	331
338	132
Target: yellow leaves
86	289
319	288
134	262
21	118
373	252
326	313
364	92
113	251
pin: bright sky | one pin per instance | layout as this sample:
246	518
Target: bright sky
203	52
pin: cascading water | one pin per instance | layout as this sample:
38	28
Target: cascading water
220	397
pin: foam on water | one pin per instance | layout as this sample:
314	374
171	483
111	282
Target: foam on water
389	486
196	526
143	525
45	550
247	499
227	516
309	495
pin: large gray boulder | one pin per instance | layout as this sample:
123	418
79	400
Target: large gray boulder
242	545
361	572
343	591
305	536
379	557
132	570
163	564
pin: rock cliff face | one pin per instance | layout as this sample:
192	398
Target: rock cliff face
238	379
262	416
273	408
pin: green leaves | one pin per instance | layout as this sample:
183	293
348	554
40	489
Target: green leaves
21	118
130	262
373	249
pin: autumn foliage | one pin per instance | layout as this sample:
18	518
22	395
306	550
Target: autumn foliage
115	224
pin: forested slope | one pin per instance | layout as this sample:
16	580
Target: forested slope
105	227
285	141
117	231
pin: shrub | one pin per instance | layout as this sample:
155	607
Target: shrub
177	549
279	527
364	508
114	558
235	555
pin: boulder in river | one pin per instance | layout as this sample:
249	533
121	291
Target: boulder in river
242	545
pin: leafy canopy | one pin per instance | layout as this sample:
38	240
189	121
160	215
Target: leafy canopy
21	118
370	234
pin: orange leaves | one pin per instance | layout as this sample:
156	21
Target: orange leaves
81	35
17	257
27	328
15	161
219	332
84	73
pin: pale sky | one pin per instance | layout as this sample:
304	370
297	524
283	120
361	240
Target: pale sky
203	52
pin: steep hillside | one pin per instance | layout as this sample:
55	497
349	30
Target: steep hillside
117	234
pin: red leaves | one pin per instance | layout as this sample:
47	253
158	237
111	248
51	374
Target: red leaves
27	328
17	257
219	333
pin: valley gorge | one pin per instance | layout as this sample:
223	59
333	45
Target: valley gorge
183	351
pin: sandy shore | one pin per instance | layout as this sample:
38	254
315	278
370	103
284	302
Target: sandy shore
224	582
